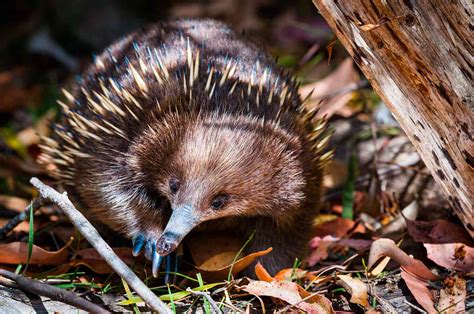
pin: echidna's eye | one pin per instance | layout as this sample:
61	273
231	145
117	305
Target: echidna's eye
219	201
174	185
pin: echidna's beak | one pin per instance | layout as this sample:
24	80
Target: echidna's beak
182	221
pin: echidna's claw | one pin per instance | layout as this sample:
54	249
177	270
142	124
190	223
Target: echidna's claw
156	262
150	246
138	242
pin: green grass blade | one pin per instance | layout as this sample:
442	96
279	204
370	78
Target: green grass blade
173	306
31	235
349	188
129	295
176	296
229	276
207	306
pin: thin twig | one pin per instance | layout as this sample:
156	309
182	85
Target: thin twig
24	215
207	296
414	306
52	292
93	237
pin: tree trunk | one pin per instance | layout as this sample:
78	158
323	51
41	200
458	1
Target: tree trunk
418	56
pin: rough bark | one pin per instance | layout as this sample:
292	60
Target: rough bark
418	56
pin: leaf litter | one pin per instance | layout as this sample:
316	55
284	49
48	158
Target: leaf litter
370	213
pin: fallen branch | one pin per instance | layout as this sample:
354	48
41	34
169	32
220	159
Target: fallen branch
207	296
54	293
93	237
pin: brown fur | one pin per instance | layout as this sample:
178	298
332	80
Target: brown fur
193	102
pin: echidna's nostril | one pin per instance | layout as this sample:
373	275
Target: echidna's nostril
167	244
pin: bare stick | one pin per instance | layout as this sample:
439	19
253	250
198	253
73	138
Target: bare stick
24	215
207	296
54	293
93	237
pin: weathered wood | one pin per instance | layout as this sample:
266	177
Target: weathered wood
418	56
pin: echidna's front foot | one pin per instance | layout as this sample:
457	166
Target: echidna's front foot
140	242
149	244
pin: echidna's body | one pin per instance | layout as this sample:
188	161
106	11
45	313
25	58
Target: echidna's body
189	119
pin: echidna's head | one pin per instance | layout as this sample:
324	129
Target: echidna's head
218	167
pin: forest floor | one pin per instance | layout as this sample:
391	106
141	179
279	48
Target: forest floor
384	241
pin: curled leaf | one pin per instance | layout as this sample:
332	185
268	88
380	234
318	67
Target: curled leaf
419	289
456	256
386	247
215	261
262	273
356	288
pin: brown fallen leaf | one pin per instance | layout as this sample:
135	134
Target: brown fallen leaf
17	252
13	203
419	289
216	274
221	253
291	293
322	245
387	247
338	227
288	274
22	226
356	288
215	261
91	259
437	231
457	256
344	76
452	298
262	274
321	253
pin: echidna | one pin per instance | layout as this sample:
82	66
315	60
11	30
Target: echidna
186	124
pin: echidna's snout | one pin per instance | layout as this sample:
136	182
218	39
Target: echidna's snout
183	219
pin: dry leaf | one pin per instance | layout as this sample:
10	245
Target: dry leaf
338	227
220	254
291	293
262	273
22	226
452	298
356	288
456	256
13	203
386	247
345	75
322	245
321	252
288	274
437	231
419	289
215	261
17	252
